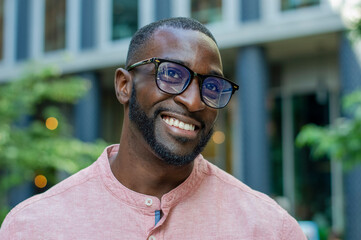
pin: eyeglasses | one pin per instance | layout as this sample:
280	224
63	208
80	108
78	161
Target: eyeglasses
174	78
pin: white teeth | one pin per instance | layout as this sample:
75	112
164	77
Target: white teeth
177	123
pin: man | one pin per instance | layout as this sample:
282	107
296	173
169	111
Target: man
155	184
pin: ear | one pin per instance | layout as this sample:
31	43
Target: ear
123	85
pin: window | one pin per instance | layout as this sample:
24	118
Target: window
294	4
1	28
206	11
312	176
55	19
124	18
22	48
276	148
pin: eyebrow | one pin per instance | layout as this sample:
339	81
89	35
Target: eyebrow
212	72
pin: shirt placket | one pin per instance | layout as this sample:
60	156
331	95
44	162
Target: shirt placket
152	205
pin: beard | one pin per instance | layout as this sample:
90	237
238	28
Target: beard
146	126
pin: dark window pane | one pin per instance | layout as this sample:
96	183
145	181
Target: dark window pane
312	176
22	30
294	4
125	18
88	24
275	132
207	11
1	28
162	10
55	19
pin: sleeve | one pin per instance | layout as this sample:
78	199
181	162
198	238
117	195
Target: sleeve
291	229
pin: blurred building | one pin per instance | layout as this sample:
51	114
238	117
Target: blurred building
291	58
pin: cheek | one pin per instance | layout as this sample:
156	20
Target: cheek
149	97
148	94
211	116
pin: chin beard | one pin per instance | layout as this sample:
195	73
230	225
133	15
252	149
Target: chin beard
146	126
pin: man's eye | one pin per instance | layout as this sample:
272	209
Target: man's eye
173	74
212	87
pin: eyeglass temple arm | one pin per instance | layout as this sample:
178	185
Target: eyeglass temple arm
140	63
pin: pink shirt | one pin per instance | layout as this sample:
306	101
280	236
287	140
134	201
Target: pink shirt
92	204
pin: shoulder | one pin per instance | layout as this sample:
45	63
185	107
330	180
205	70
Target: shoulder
229	183
52	199
70	190
254	209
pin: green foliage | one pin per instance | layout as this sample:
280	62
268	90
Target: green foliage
357	27
31	148
341	140
354	24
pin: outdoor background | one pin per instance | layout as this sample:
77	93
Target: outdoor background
295	61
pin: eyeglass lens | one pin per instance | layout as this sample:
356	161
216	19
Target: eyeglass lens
174	79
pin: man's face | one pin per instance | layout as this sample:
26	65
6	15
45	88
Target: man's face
146	125
151	110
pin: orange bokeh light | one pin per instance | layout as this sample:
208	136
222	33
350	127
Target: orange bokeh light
218	137
51	123
40	181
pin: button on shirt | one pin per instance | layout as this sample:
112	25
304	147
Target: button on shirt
148	202
92	204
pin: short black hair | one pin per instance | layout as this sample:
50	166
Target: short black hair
145	33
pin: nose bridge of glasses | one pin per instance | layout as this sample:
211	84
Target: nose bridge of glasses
191	96
199	81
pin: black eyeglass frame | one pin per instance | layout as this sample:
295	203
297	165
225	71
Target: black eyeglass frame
158	61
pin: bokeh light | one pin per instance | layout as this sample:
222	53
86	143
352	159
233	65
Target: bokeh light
218	137
51	123
40	181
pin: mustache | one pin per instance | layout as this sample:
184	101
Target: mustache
188	114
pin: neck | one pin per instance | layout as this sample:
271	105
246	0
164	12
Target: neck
142	171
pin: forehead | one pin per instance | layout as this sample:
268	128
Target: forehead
194	48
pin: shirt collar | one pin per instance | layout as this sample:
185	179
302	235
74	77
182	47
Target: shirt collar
147	202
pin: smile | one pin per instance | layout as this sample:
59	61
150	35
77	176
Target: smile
179	124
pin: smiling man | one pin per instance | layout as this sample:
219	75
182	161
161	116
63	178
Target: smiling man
155	184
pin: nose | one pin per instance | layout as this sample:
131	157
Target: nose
191	97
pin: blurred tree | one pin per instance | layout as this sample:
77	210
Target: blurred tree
32	148
352	19
341	140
